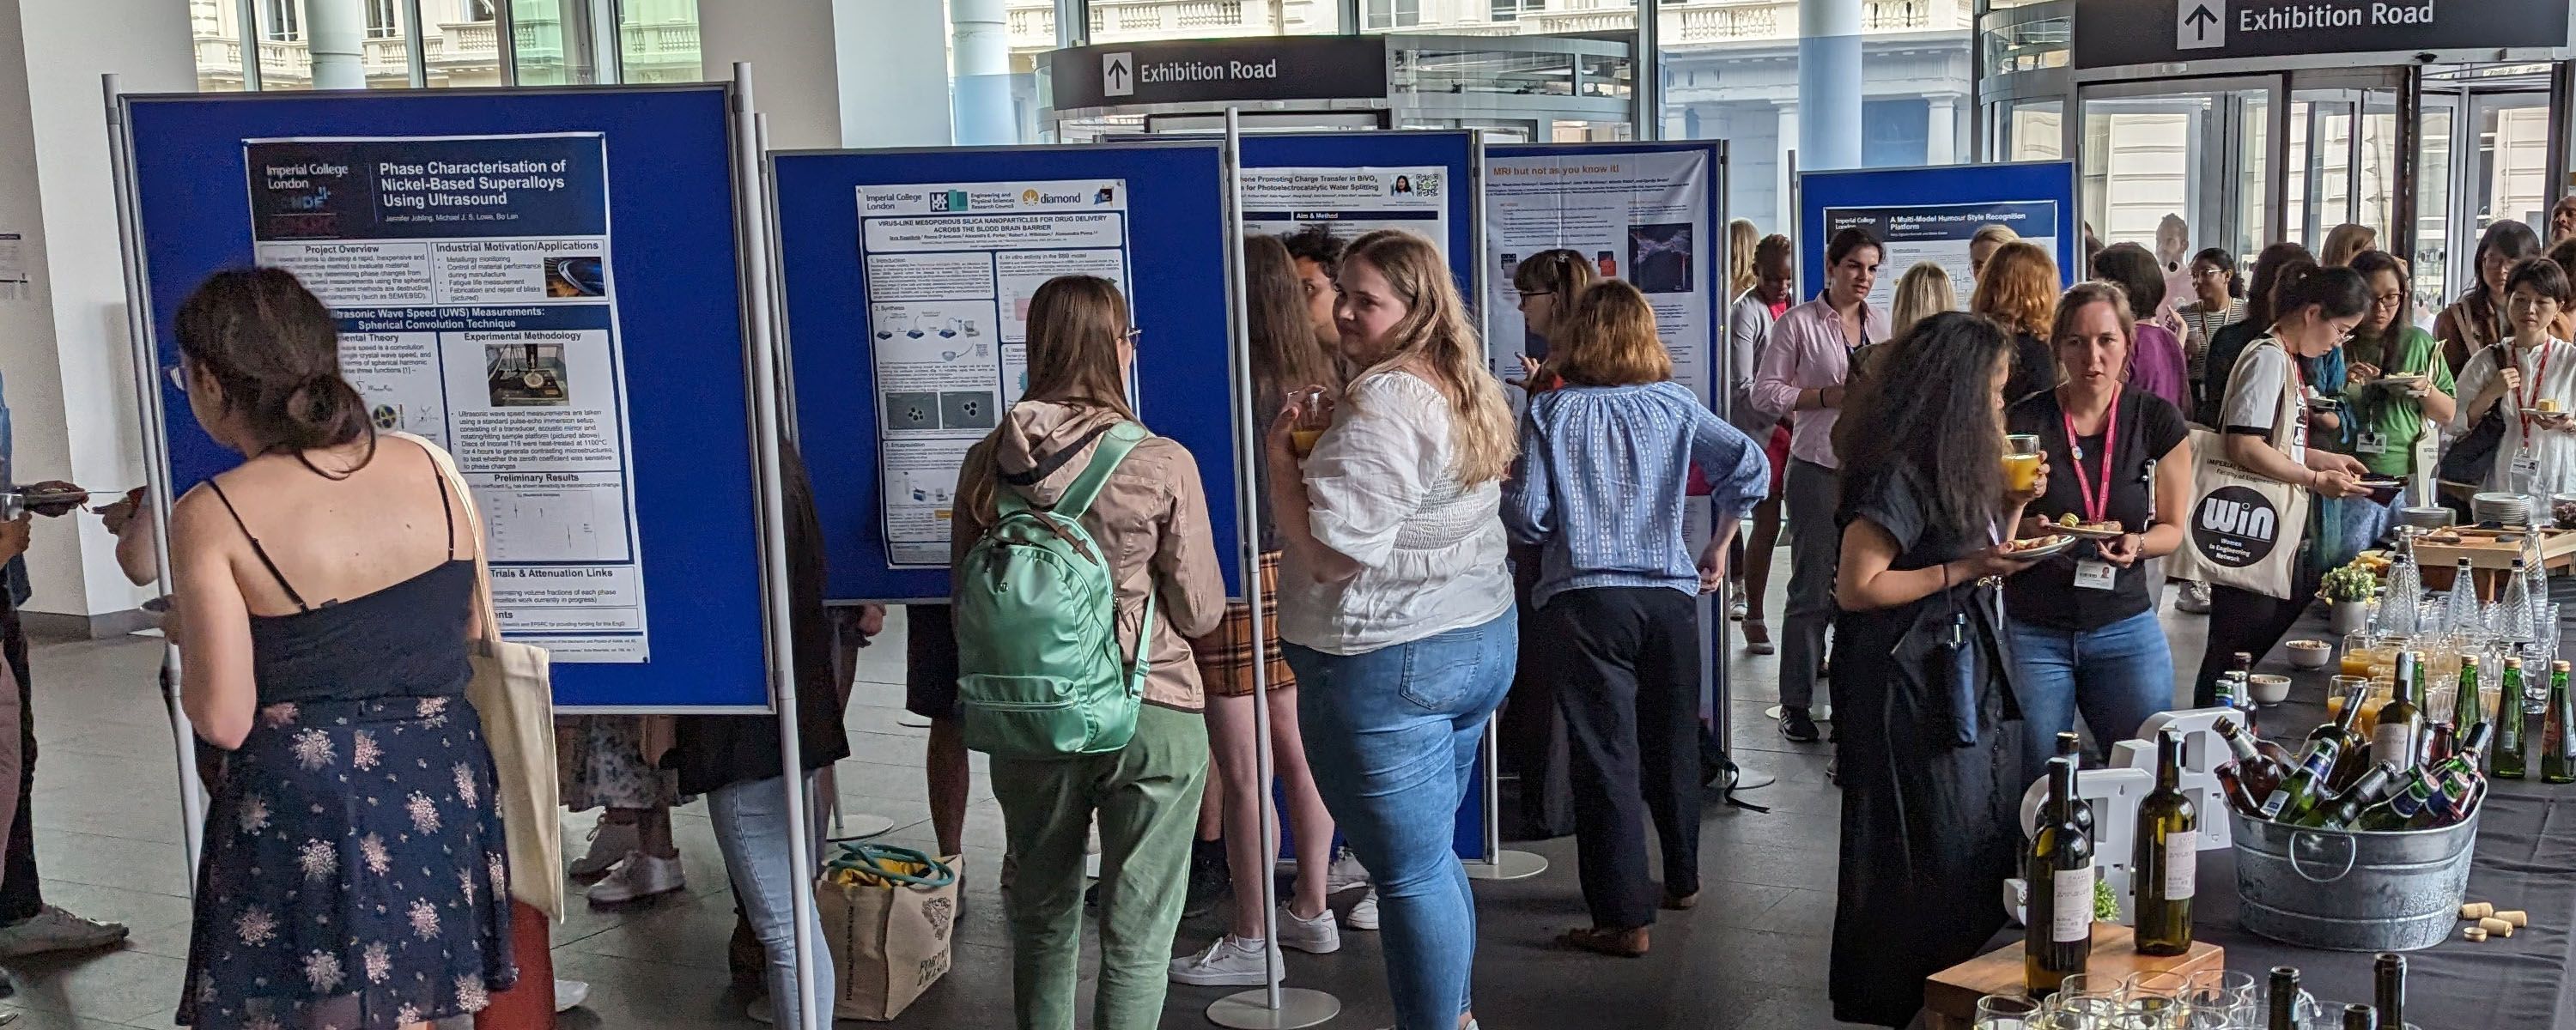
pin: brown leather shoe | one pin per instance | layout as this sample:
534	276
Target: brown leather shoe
1629	943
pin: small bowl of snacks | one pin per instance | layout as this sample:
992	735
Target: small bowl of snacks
2270	688
2310	654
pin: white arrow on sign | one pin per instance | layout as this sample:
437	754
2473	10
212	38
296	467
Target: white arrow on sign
2200	24
1118	75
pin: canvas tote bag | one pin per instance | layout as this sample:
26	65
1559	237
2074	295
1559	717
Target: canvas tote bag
513	692
889	916
2244	529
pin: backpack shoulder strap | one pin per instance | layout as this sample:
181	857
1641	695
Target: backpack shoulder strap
1086	487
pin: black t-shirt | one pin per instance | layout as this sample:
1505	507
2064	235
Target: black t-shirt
1899	501
2034	369
2046	595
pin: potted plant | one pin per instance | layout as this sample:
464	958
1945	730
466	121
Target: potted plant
2348	591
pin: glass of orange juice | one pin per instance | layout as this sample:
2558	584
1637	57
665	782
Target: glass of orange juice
2021	461
1314	415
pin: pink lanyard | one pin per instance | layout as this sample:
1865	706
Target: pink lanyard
2095	506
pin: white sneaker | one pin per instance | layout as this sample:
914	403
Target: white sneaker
1345	873
52	929
569	994
1317	936
609	844
1364	915
638	876
1230	962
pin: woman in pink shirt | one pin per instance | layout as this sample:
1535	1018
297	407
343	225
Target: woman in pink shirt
2156	362
1801	375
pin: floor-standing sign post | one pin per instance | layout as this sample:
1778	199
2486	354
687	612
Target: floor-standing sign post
1273	1007
762	370
1497	863
147	394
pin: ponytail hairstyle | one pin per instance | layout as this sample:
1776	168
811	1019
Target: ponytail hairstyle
1741	238
274	350
1435	334
1563	272
2335	292
2269	267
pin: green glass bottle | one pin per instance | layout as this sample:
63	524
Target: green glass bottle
2059	869
2513	731
2165	862
2558	747
2469	708
2403	811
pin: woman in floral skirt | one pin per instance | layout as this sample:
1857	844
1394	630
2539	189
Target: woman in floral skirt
354	873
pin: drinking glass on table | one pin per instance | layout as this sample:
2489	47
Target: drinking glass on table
2005	1012
2021	461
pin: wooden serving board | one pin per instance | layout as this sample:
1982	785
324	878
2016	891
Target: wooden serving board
1950	996
2436	563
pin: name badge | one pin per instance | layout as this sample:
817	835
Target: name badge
2096	575
2371	443
2525	469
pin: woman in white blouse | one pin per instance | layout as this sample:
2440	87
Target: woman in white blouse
1395	606
2515	377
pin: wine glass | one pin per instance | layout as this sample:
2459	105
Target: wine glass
2005	1012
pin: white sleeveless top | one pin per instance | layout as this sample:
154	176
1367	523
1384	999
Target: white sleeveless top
1383	492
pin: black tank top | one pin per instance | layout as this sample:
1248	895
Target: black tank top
406	640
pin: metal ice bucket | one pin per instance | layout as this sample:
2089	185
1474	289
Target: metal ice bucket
2349	891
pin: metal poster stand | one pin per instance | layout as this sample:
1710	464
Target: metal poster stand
1273	1007
156	461
1497	862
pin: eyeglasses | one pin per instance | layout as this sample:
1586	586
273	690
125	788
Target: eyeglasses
1132	335
2390	300
178	376
1527	294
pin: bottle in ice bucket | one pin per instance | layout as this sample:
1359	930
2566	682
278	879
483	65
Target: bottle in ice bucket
2558	738
2402	810
2512	758
2251	777
2059	868
2352	753
2400	732
2341	811
2307	783
2456	780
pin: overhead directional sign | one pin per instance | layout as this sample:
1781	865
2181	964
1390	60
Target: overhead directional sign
2125	33
2200	25
1216	70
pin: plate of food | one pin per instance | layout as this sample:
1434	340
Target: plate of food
2038	547
2403	381
2075	527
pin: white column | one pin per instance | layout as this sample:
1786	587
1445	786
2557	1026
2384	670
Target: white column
336	31
1941	130
63	345
860	73
1787	216
980	51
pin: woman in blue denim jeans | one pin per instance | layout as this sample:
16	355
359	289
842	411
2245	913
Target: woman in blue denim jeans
1395	607
2083	624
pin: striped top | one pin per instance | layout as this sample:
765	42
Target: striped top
1601	478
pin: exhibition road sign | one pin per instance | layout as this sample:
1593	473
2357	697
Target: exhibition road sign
2120	33
1216	70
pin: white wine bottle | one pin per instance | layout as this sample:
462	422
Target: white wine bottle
2399	736
2165	864
2059	867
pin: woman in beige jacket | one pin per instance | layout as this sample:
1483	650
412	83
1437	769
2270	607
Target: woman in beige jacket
1152	520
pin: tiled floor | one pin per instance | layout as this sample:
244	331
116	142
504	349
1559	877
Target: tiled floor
1751	956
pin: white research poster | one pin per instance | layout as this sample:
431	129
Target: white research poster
1351	202
1636	217
1939	233
478	309
949	271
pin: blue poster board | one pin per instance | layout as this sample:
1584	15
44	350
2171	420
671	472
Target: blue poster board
677	310
1175	258
1451	151
1928	214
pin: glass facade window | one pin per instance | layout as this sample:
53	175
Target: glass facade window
1382	15
555	42
383	19
281	20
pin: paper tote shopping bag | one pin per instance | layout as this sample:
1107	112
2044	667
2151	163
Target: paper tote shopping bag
513	693
2244	529
890	941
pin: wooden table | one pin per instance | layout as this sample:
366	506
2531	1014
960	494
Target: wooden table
1950	996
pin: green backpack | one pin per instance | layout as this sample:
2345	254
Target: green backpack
1040	672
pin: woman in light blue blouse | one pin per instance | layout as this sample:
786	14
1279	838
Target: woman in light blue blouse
1599	485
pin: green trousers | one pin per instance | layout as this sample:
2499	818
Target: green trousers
1146	797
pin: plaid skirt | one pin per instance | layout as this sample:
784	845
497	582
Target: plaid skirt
1225	654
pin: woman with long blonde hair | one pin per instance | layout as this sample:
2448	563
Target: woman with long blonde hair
1741	238
1924	291
2020	291
1394	604
1150	517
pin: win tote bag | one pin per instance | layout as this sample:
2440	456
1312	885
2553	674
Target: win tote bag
2244	529
513	692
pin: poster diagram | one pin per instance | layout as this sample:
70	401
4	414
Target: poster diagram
1353	201
1634	216
1939	233
478	310
950	269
